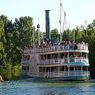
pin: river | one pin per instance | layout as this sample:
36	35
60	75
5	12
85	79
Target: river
30	86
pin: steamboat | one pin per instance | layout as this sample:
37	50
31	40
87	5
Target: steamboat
49	60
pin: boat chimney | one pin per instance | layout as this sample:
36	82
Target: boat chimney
47	24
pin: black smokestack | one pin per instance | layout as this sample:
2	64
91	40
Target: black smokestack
47	24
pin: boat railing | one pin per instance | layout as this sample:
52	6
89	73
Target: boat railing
62	60
64	73
55	48
23	61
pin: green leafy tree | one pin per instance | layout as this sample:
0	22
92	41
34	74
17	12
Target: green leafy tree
23	31
54	34
2	41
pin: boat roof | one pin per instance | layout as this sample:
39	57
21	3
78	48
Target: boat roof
78	64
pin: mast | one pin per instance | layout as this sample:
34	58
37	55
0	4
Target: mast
60	21
38	26
33	37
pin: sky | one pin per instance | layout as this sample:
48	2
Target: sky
77	11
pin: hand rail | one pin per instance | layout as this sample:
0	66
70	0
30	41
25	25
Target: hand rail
55	48
62	60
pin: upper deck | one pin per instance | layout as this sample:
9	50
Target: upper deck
57	48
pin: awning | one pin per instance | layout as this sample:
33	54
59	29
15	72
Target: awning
78	64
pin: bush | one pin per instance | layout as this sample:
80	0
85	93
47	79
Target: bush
1	68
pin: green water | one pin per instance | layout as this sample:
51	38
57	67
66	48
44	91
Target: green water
30	86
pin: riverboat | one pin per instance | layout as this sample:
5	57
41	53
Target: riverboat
56	61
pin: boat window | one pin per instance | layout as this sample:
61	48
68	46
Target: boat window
26	57
84	54
43	57
78	68
53	56
70	54
44	69
61	68
85	68
56	55
47	69
65	54
54	69
62	55
48	56
40	69
25	68
65	68
71	68
76	54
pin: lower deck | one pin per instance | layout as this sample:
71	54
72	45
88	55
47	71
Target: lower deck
64	75
59	73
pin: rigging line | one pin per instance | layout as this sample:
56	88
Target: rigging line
56	24
42	27
64	21
42	30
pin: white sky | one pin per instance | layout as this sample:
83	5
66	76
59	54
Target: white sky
77	11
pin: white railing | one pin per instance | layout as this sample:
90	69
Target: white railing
63	60
55	48
63	74
23	61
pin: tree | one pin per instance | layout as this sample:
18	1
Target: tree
23	31
2	41
54	34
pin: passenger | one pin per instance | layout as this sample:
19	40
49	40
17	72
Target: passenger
25	47
83	43
75	56
69	45
29	46
72	45
63	44
59	44
66	45
75	46
71	58
44	58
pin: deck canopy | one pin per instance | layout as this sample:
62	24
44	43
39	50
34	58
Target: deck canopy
78	64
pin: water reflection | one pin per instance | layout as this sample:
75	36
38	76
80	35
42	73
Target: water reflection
30	86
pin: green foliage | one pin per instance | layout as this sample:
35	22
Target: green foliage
54	34
2	40
17	67
13	38
1	68
8	66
